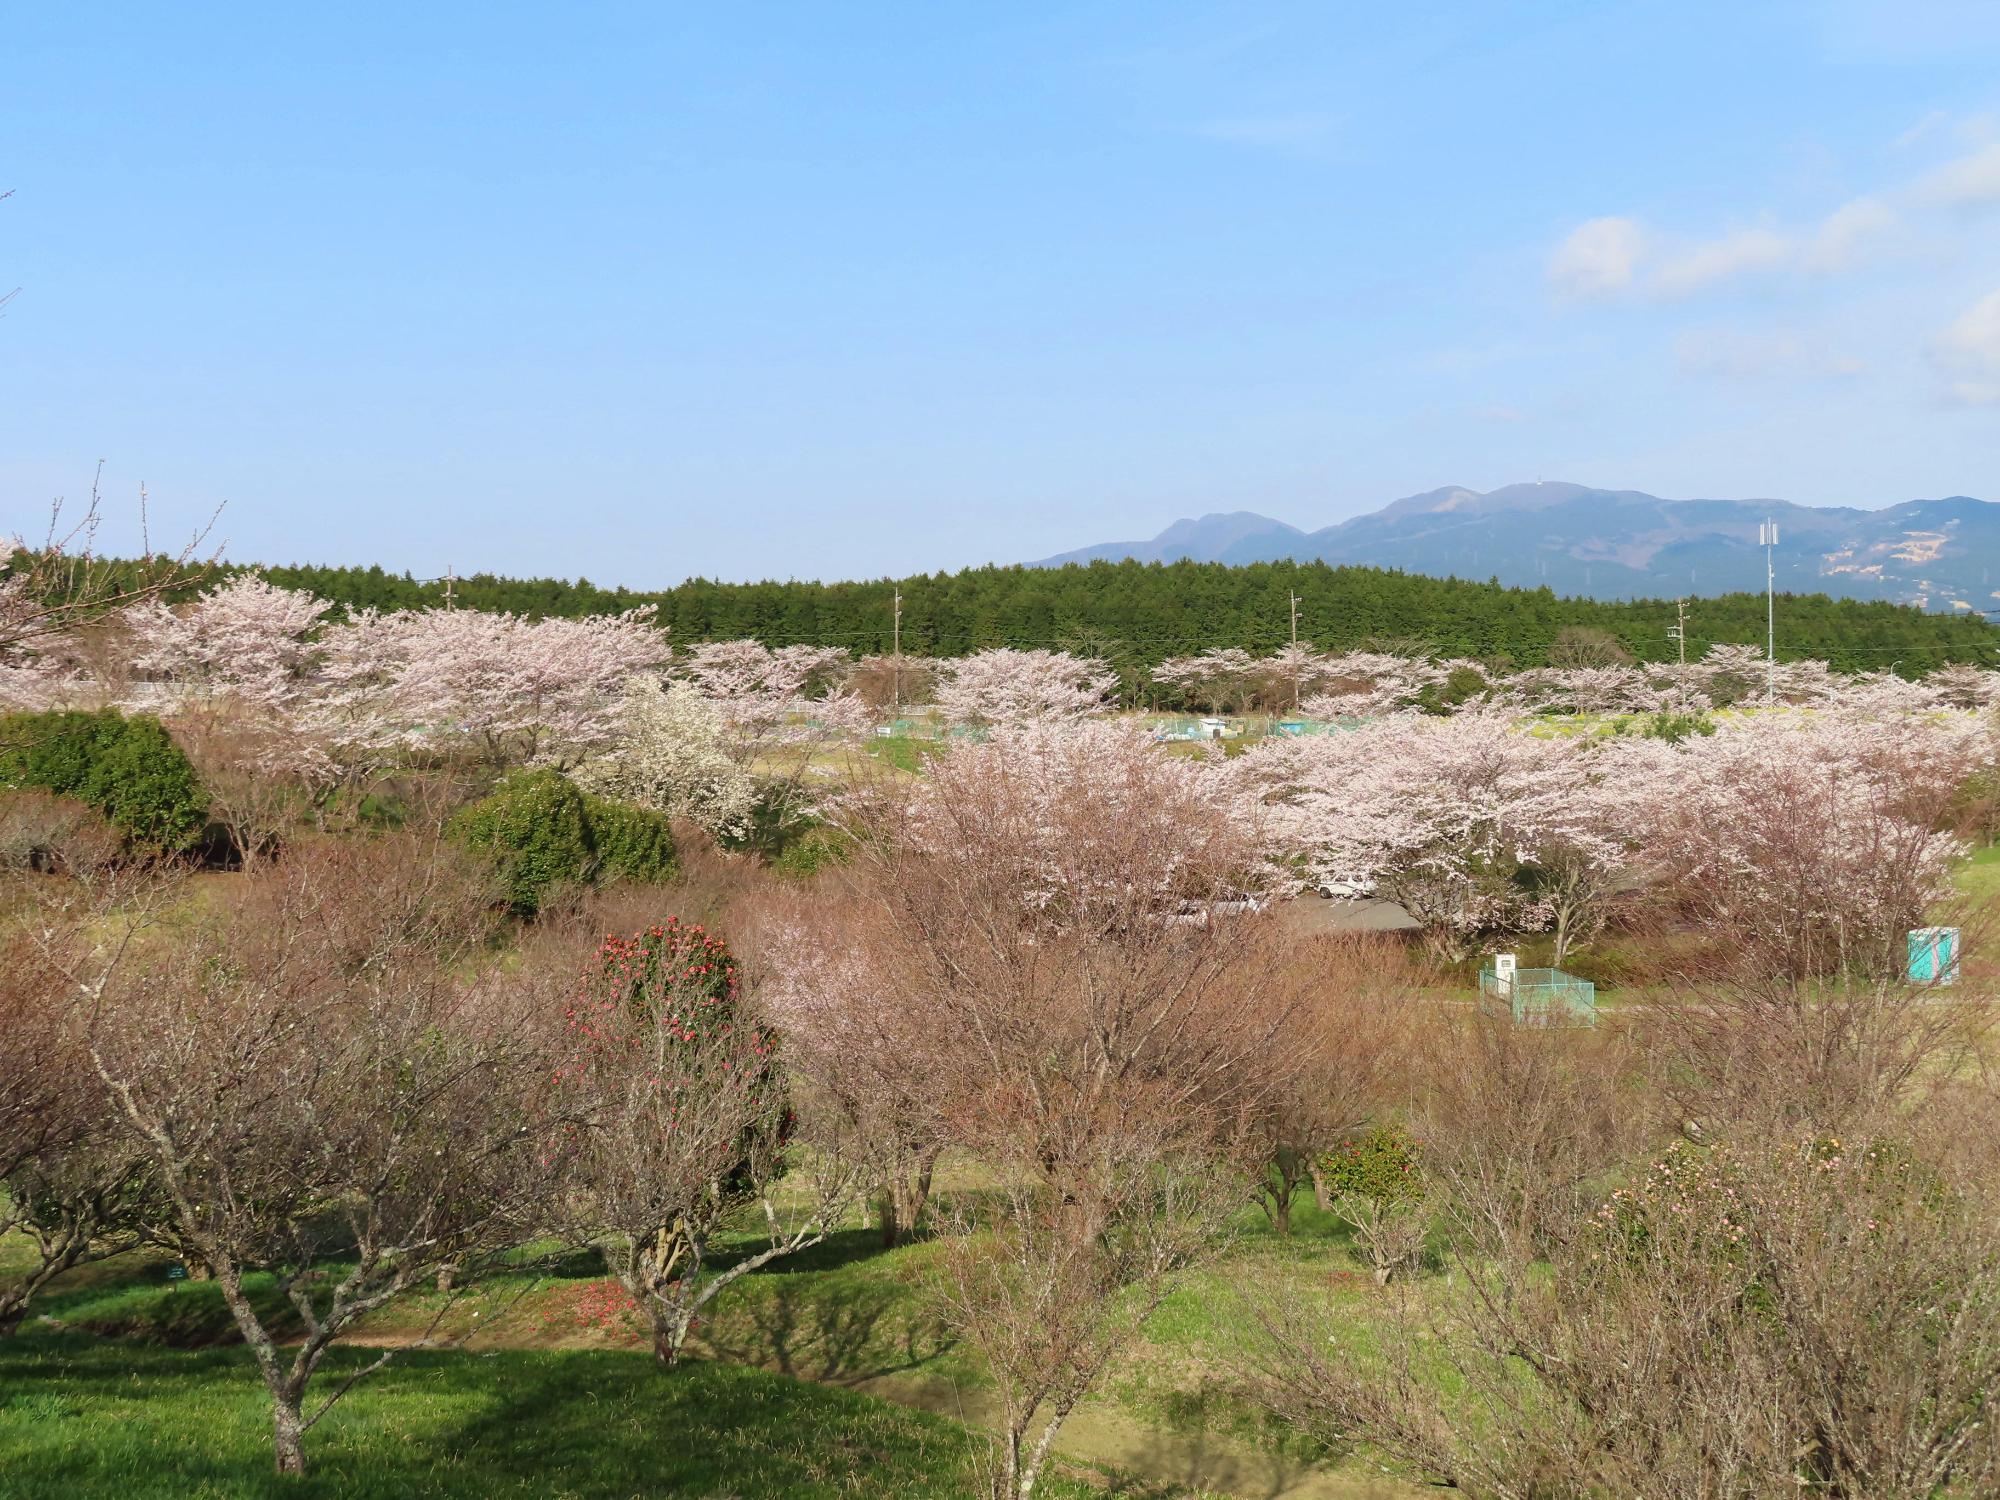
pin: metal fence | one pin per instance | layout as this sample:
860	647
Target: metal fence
1539	997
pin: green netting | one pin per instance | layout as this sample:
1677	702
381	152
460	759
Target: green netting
1539	997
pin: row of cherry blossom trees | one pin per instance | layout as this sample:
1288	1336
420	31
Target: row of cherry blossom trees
509	688
1823	834
1366	683
276	698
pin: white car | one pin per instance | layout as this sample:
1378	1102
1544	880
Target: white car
1345	890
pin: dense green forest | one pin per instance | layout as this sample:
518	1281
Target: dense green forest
1138	613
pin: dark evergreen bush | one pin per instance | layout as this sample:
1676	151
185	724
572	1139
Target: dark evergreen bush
631	843
127	768
534	824
545	831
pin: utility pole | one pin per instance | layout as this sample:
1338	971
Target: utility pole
896	629
450	587
1295	646
1767	538
1679	632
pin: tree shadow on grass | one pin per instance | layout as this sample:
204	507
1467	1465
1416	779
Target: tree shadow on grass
86	1420
844	1247
836	1333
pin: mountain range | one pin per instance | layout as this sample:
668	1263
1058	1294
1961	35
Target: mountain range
1624	544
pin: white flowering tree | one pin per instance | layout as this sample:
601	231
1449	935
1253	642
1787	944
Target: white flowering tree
1367	683
1219	679
1813	838
673	753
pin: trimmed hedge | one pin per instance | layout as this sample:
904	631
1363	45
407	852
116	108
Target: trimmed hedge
545	831
630	842
128	769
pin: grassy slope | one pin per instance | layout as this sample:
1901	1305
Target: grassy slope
845	1315
82	1417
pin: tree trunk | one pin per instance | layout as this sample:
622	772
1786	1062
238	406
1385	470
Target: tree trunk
1322	1195
667	1337
903	1200
288	1432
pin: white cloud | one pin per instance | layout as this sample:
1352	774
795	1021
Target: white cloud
1931	121
1705	263
1847	235
1608	256
1967	354
1272	132
1967	182
1735	354
1600	258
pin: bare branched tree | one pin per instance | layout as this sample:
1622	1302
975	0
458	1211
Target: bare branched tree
51	585
1348	1058
65	1173
1786	1313
1521	1127
322	1096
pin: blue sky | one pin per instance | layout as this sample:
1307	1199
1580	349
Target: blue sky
645	291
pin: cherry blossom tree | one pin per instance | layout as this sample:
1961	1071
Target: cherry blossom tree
1291	672
758	690
1731	673
1004	686
1584	690
1097	1032
235	677
1877	694
1218	679
245	640
781	708
1442	815
1366	683
501	688
1807	841
847	1035
1961	685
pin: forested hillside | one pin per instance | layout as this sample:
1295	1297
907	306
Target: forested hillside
1136	614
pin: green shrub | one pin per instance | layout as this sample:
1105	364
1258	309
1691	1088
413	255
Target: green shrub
1676	727
813	850
544	831
1380	1166
128	769
630	842
536	826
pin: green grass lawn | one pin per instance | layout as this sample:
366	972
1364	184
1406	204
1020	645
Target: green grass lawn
83	1417
826	1374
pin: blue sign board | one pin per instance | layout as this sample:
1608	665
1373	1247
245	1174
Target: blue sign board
1934	955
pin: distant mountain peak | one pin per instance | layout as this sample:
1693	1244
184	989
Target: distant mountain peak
1620	543
1225	523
